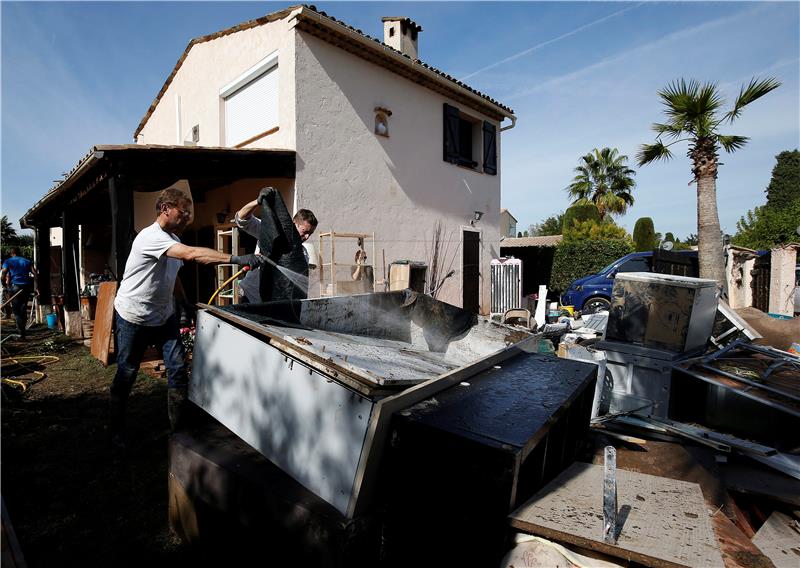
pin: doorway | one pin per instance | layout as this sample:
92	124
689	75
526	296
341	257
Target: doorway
471	270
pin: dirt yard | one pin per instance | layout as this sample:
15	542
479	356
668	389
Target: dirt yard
73	501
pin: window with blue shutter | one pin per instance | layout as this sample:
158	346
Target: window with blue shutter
462	141
489	148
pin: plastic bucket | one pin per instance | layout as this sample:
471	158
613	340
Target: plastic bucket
52	320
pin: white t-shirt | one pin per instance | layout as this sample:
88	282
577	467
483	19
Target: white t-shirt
145	296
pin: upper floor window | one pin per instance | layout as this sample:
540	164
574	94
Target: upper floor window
251	103
467	140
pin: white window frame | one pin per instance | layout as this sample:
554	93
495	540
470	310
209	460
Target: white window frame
269	63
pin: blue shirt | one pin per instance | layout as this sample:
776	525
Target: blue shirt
19	269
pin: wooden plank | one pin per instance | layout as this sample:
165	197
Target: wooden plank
103	321
779	540
662	522
737	550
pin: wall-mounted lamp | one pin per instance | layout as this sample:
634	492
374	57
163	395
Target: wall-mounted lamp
476	217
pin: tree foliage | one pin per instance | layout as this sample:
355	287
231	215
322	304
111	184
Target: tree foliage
603	178
595	230
784	185
644	235
580	212
777	221
550	226
766	227
8	234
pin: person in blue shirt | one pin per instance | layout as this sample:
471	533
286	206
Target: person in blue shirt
20	275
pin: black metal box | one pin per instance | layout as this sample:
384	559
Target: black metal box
459	462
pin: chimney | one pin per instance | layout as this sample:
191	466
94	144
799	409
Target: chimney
401	34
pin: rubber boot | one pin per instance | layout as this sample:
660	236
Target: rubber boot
177	403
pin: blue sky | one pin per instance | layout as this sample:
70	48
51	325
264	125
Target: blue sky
578	75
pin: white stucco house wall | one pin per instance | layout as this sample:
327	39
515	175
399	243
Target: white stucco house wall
384	143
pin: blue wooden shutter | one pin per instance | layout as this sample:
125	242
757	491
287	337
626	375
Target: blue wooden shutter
489	148
451	117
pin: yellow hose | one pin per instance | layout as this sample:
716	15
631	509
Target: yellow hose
218	290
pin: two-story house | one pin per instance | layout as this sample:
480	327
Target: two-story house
358	130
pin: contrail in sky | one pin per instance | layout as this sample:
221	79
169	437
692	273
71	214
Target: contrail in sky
548	42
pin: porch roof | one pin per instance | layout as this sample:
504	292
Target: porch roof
84	189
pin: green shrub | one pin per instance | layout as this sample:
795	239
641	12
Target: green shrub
579	212
574	259
592	230
644	235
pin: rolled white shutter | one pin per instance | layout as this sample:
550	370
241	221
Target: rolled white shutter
252	109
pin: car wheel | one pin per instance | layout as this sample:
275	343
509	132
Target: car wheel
593	305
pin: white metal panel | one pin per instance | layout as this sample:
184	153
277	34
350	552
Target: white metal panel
506	284
253	109
309	426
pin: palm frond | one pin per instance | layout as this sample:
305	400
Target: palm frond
732	143
754	90
672	130
652	152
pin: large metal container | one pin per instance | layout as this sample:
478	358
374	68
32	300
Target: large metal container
312	384
661	311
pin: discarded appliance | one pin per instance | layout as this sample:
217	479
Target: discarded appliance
655	320
660	311
405	274
312	384
506	284
462	459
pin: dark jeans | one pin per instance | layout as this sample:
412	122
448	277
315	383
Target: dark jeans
19	305
133	339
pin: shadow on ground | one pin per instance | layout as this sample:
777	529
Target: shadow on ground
70	498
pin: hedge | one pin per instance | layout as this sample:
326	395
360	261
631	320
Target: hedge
580	258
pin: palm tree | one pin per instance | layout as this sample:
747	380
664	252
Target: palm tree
605	180
8	234
692	113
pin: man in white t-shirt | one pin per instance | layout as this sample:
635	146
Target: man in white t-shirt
145	306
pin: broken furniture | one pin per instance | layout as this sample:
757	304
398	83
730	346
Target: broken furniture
732	390
230	502
660	522
462	459
312	384
335	276
521	315
407	274
654	321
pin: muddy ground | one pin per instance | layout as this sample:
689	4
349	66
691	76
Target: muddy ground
71	499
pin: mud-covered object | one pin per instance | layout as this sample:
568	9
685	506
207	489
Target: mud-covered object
280	242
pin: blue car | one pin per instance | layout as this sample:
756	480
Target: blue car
592	293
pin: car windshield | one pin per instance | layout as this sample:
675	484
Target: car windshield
607	268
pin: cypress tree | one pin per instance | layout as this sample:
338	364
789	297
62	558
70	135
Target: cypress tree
784	186
644	234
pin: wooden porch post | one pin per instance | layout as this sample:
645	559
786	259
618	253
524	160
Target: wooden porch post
41	241
121	224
